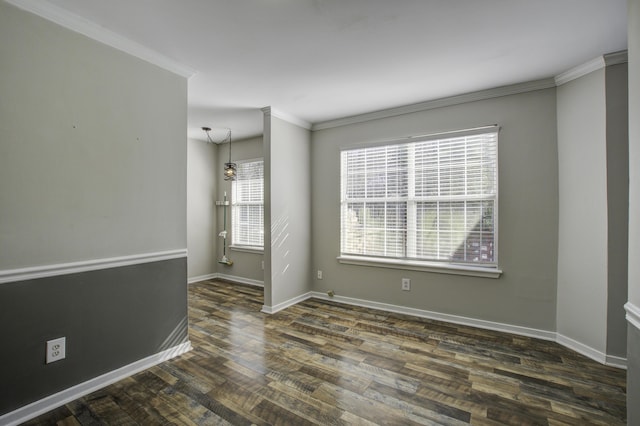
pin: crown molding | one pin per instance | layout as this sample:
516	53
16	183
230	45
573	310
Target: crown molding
616	58
89	29
270	111
595	64
581	70
513	89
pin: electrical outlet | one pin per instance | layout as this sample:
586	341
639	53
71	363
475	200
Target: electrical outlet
406	284
262	265
56	349
319	274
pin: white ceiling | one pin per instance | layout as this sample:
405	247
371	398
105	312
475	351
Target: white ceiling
320	60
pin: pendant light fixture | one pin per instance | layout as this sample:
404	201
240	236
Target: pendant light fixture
230	168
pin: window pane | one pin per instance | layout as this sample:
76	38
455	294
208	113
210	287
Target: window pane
434	199
375	229
247	216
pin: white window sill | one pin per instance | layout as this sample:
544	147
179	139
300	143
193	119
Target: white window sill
414	265
248	249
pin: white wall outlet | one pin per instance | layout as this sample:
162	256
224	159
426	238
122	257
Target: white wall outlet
56	349
406	284
319	274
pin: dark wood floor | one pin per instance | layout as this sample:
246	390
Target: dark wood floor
324	363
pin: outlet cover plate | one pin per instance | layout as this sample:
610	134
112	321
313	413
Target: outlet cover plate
406	284
56	349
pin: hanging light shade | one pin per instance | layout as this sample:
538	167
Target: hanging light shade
230	168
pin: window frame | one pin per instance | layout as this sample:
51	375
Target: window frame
489	270
249	248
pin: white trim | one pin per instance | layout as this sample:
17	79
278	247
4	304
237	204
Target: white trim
270	111
552	336
96	32
513	89
633	314
232	278
240	280
616	58
455	319
580	70
287	303
581	348
246	249
589	352
616	361
58	399
444	268
199	278
33	272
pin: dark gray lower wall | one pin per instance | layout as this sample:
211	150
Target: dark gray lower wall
633	375
110	318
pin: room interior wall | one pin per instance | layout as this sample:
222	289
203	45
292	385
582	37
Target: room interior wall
100	181
617	121
246	266
202	192
525	294
92	168
633	306
582	252
288	189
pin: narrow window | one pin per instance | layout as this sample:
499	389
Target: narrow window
247	205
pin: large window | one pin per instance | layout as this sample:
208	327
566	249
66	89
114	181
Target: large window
427	199
247	205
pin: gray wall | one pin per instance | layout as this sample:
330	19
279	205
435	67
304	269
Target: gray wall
202	192
633	343
287	211
92	160
92	166
245	265
617	206
110	318
582	244
525	295
593	163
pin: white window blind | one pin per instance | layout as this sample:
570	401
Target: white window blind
433	199
247	205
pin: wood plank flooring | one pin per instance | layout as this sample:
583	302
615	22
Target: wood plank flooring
322	363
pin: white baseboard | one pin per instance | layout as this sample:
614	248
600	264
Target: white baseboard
633	314
240	280
199	278
552	336
581	348
489	325
56	400
284	305
616	361
232	278
44	271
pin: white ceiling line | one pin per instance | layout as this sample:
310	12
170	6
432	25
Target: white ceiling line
439	103
87	28
289	118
